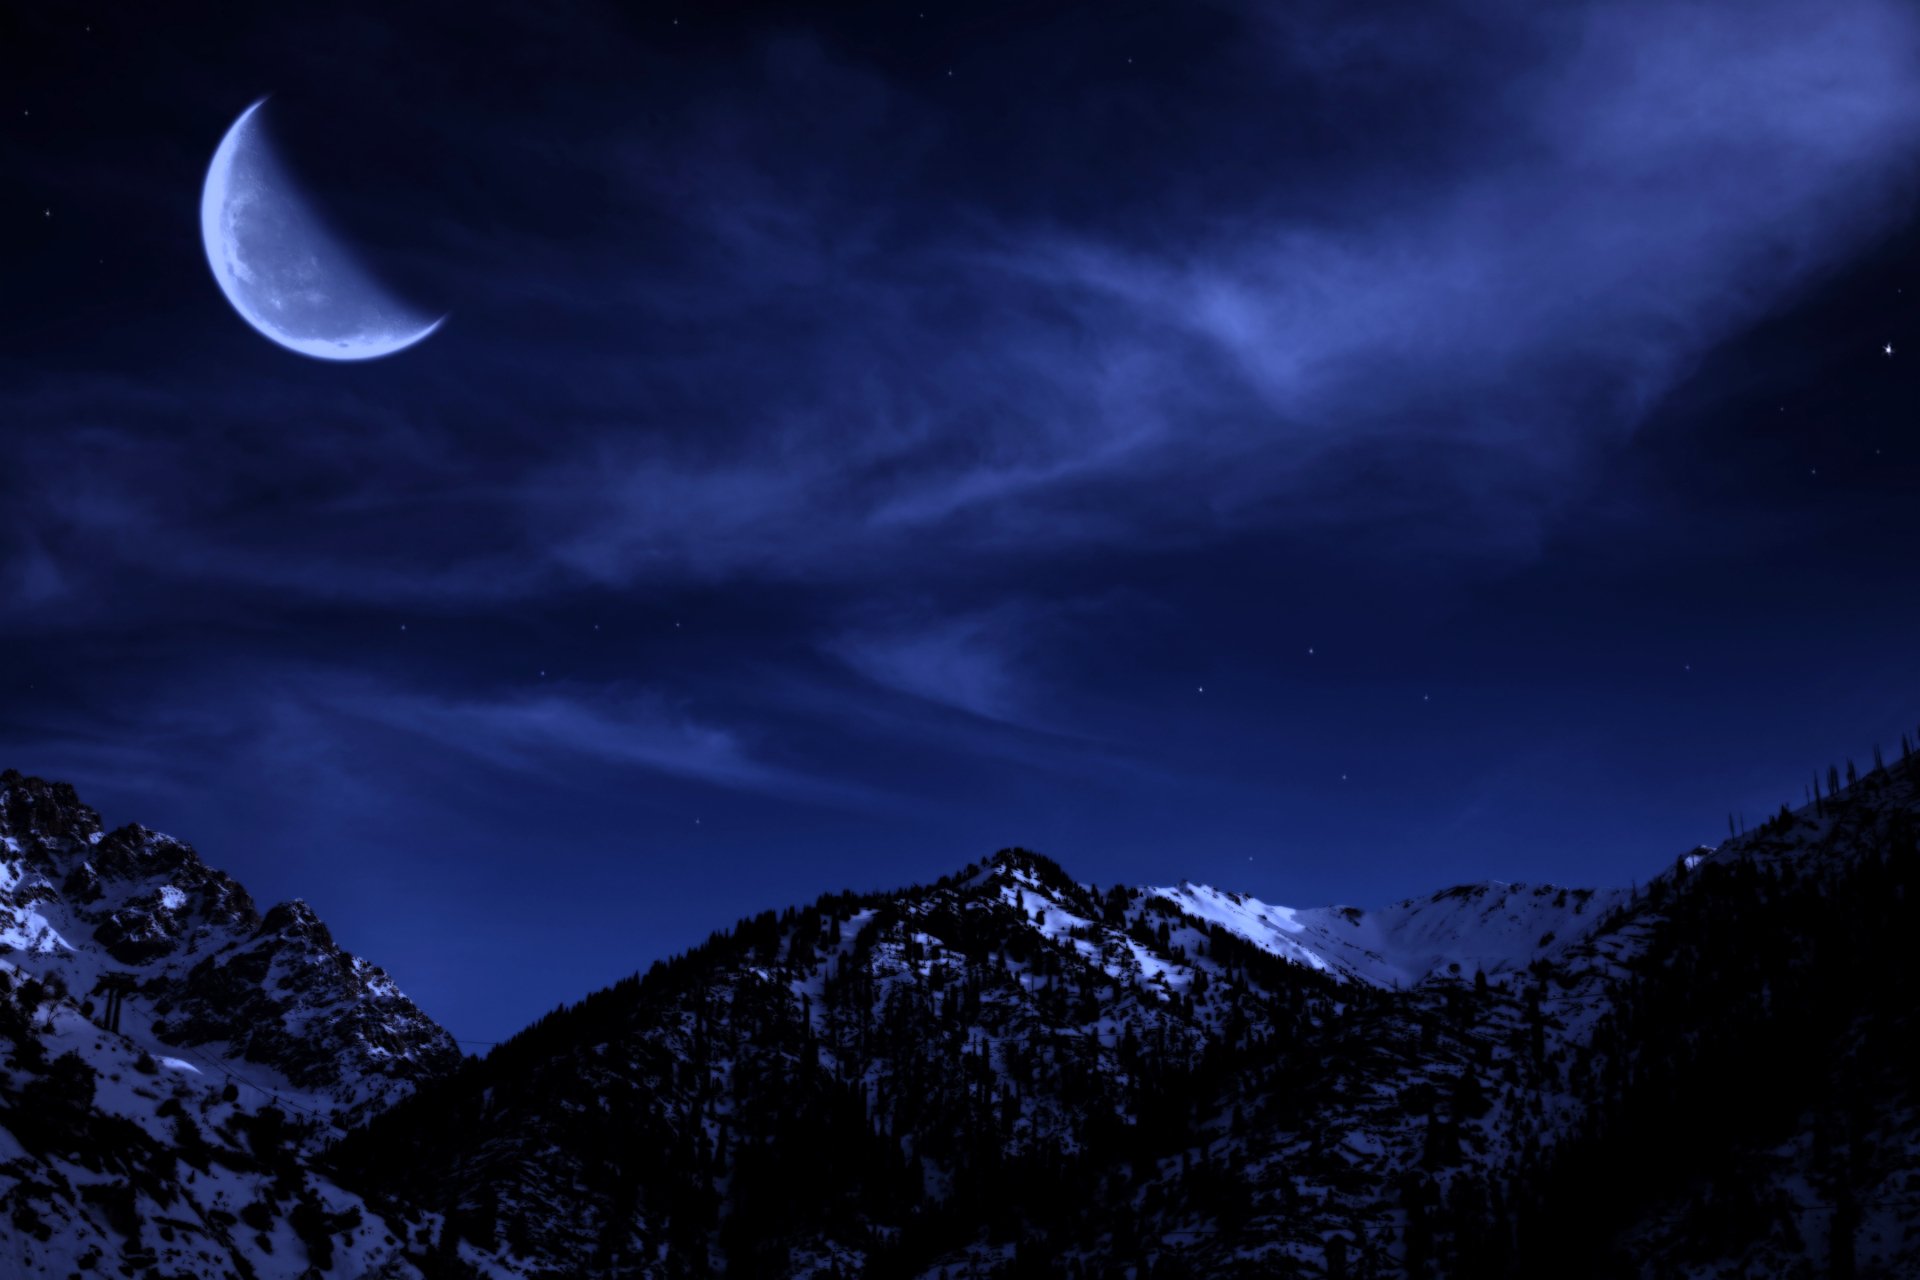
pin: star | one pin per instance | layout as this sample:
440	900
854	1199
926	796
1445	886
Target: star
1888	348
403	626
1426	697
543	675
1201	689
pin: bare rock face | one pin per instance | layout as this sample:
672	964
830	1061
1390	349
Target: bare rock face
173	1064
270	998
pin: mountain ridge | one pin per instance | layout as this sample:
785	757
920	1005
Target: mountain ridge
268	991
172	1059
1003	1072
1110	1077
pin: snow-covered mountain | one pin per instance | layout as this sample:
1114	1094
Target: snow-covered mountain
117	1160
1009	1072
1493	928
172	1060
268	999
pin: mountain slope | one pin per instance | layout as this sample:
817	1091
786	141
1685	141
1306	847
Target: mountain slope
1008	1072
269	997
1004	1046
180	1143
1748	1099
115	1160
1494	928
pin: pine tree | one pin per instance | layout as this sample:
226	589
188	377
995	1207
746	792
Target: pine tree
1845	1222
1337	1257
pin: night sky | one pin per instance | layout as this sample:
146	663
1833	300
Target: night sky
1331	451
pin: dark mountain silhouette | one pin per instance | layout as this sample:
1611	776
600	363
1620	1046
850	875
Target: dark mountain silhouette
1009	1072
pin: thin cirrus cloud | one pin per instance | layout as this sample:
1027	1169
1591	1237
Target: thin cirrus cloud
847	372
967	662
1651	179
320	730
1665	175
556	731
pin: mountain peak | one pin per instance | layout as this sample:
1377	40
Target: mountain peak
35	807
213	975
1036	869
294	916
1490	927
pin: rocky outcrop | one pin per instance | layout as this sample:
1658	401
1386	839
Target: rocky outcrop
270	997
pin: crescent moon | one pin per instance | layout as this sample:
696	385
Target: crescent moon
281	269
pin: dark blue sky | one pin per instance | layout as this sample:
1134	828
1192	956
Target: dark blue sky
1323	454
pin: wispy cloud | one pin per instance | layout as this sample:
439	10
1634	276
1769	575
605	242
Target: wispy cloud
840	371
1655	178
970	662
556	732
334	731
1632	185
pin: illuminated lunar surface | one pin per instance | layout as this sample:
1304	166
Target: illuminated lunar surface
279	267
